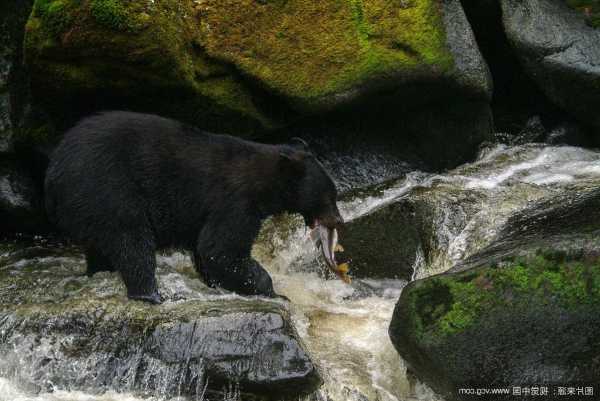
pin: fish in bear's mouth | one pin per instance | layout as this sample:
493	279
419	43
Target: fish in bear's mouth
326	238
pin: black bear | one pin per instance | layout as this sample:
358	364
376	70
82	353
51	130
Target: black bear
126	184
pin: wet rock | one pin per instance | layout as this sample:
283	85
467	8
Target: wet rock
20	200
391	240
518	306
531	323
428	224
570	133
559	51
568	222
61	329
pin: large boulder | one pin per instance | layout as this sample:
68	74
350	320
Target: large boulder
568	222
413	226
559	50
254	65
426	224
60	329
528	323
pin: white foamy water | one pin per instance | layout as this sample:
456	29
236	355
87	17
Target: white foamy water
536	164
348	337
9	391
345	328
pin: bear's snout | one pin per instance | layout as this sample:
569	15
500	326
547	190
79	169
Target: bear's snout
332	220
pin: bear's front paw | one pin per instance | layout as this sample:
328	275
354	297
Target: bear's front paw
154	299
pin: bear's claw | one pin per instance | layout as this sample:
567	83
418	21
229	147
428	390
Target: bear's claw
154	299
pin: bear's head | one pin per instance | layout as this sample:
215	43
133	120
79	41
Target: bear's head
314	194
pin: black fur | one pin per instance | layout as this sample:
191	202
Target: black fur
127	184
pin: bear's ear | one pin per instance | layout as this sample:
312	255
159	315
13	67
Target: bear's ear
292	160
299	144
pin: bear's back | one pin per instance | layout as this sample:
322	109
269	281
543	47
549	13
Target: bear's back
123	163
109	160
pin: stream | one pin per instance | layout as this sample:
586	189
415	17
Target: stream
345	328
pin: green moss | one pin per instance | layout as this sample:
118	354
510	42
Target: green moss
348	43
448	304
110	13
137	49
41	135
205	53
230	94
590	8
119	15
56	15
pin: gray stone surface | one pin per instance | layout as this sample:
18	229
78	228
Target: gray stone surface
559	51
471	70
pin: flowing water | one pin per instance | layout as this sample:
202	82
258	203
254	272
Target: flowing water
345	327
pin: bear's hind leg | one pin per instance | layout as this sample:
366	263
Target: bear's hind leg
200	268
133	255
96	262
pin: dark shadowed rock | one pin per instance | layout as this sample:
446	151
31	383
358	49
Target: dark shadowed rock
20	200
5	124
559	51
13	81
388	241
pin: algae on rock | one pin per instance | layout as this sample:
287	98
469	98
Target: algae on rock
247	66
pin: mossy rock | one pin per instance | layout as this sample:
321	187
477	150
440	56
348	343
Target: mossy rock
527	322
132	54
247	66
307	50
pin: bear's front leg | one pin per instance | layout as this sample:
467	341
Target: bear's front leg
222	258
243	276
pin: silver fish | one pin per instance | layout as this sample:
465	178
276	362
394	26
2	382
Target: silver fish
326	239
